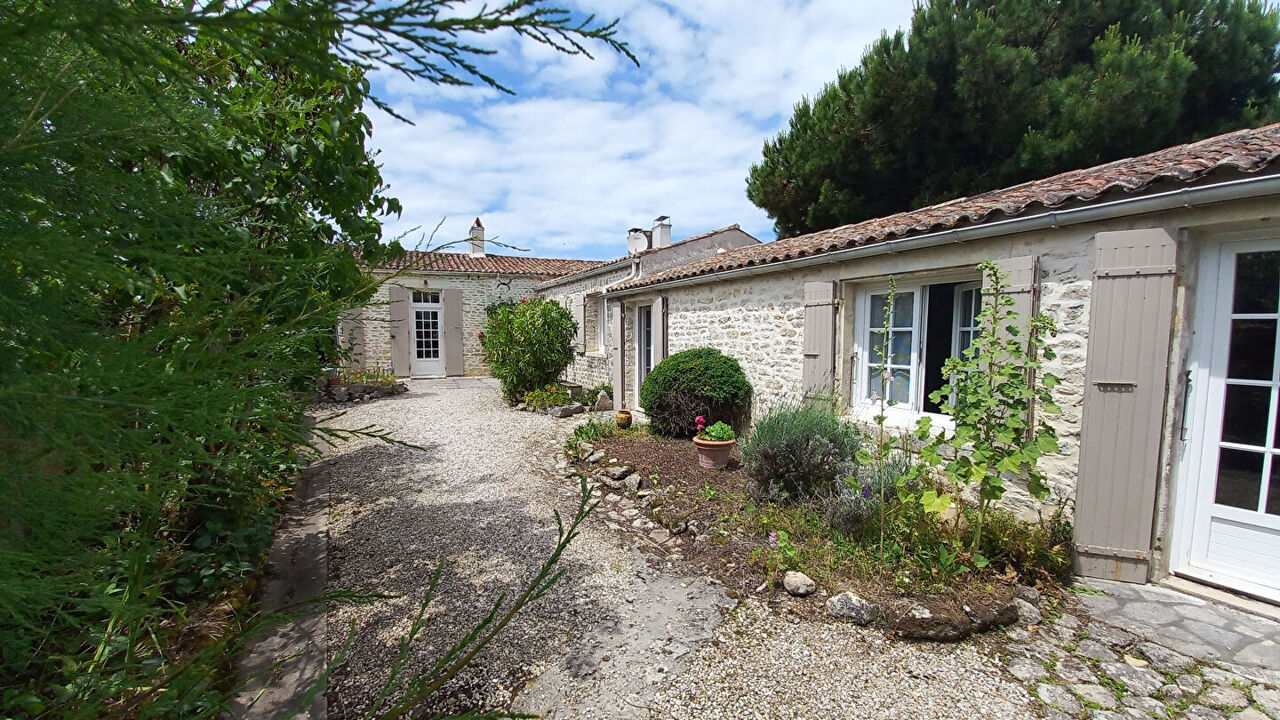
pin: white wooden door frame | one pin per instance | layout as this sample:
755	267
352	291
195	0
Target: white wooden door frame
640	371
423	367
1193	499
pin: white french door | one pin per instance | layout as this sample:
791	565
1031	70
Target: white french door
426	354
1229	528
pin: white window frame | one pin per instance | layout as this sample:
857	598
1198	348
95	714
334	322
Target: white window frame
640	371
956	328
902	415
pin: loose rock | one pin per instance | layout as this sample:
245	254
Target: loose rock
798	584
928	618
1027	613
632	482
847	606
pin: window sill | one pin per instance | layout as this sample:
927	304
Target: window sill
899	419
593	353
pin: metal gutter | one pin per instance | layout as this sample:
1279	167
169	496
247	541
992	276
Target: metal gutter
1185	197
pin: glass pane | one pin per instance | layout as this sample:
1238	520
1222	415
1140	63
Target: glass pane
1257	282
1253	348
877	310
877	347
1273	492
900	348
968	308
1244	417
904	310
1239	479
900	387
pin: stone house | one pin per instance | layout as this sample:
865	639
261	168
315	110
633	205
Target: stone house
427	320
648	252
1163	275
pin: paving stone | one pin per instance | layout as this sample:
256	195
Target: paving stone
1097	695
1138	680
1269	700
1094	650
1190	684
1162	658
1264	652
1110	635
1068	620
1035	650
1055	714
1202	613
1250	714
1200	712
1059	697
1213	634
1172	692
1025	669
1150	613
1105	715
1073	670
1223	696
1218	676
1146	705
1099	604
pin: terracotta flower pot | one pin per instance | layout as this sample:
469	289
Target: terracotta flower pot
623	417
714	454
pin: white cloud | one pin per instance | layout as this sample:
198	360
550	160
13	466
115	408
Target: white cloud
591	148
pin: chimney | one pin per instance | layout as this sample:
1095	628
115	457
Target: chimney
477	239
661	231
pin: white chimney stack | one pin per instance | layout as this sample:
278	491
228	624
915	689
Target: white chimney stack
477	239
662	231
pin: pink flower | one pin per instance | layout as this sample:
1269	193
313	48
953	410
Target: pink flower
700	420
524	299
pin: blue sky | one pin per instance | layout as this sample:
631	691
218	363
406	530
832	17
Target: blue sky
589	148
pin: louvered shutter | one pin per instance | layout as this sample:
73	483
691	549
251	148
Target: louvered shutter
1126	378
579	304
401	330
452	339
818	372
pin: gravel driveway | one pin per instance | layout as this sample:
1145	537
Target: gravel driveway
617	637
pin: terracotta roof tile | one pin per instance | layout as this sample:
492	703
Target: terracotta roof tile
1245	151
622	260
490	264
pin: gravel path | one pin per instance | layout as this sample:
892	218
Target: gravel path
617	637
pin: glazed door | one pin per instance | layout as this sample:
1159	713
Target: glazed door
1235	518
426	354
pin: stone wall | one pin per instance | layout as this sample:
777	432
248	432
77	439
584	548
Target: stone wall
590	366
478	291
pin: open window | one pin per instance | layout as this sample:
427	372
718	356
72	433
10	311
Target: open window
901	360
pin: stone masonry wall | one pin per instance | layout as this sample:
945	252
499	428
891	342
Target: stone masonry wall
591	366
478	291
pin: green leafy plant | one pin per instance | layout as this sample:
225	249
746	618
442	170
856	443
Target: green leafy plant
360	376
998	395
594	429
528	344
719	432
801	451
549	396
699	381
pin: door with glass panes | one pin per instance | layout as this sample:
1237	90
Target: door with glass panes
426	354
1233	517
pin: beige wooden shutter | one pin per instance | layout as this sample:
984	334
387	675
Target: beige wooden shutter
659	329
1021	279
401	330
355	336
818	372
453	339
579	303
618	352
1126	377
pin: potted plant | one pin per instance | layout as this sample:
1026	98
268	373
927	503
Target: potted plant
714	443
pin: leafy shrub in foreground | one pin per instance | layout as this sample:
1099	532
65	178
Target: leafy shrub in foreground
699	381
801	451
549	396
528	345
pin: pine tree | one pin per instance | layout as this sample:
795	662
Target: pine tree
978	95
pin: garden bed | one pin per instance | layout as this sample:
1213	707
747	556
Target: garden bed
711	520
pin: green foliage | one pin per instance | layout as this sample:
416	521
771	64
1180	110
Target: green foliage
594	429
977	96
528	344
189	204
997	395
719	432
361	376
691	383
587	396
801	451
548	396
1039	551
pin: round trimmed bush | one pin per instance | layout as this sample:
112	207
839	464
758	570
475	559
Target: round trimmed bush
528	344
701	381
